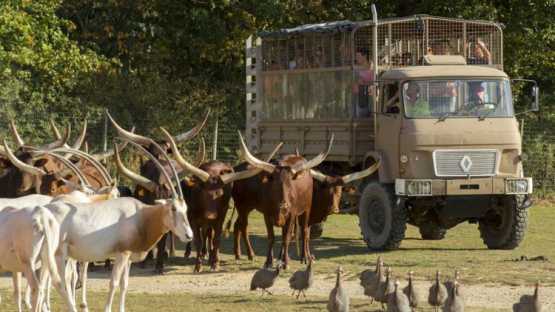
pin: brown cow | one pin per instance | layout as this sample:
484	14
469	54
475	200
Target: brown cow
283	194
207	194
151	184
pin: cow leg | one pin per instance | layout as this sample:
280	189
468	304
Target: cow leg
286	239
237	231
207	244
35	289
172	244
161	254
188	249
270	253
216	245
84	306
199	241
307	255
244	223
118	269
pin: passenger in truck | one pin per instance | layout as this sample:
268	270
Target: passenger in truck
480	54
363	88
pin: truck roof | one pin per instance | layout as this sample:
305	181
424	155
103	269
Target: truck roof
437	71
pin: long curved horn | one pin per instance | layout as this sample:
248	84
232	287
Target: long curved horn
81	138
318	175
255	162
201	153
139	139
129	135
110	152
55	130
137	178
314	161
17	138
82	180
230	177
95	163
201	174
361	174
58	143
21	165
185	136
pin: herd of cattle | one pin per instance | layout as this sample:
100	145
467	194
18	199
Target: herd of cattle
59	206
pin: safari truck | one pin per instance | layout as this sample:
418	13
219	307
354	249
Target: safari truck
425	95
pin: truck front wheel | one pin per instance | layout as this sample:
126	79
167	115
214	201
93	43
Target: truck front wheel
504	227
382	221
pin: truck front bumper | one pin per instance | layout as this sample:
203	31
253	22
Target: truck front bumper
471	186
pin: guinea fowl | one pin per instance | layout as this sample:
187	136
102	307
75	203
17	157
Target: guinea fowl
371	282
385	288
265	278
529	303
338	300
438	293
301	280
455	302
398	301
369	275
449	284
411	293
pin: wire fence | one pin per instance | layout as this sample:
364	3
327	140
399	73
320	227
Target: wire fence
538	143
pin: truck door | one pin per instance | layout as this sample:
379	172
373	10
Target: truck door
389	120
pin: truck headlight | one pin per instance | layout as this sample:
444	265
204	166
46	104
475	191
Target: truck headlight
413	187
518	186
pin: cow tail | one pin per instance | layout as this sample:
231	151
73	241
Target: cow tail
228	224
50	230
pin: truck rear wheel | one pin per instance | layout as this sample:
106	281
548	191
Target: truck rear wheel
382	221
431	231
504	228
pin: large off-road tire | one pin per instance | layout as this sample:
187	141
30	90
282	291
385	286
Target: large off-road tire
505	227
316	230
431	231
382	222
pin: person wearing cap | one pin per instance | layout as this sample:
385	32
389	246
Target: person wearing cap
415	105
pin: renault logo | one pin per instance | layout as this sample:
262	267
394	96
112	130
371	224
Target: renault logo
466	164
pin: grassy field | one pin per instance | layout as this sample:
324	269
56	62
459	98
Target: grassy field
341	244
212	303
462	249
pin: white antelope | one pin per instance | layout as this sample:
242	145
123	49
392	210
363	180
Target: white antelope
27	235
123	228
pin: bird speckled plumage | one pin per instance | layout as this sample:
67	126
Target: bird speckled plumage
369	275
449	284
385	288
411	293
301	280
338	299
372	281
529	303
438	293
455	303
265	278
398	301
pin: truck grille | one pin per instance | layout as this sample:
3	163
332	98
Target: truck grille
463	163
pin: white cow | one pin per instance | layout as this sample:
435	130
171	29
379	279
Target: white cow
27	235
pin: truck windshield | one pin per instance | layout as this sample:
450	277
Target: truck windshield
460	98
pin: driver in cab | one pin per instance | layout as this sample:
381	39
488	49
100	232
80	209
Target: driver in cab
415	105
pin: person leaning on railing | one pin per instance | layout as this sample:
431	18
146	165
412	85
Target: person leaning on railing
362	88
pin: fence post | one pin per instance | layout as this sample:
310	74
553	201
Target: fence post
215	145
105	136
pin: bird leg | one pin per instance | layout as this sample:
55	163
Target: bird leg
268	292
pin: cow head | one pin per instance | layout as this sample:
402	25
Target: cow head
328	190
280	179
210	186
